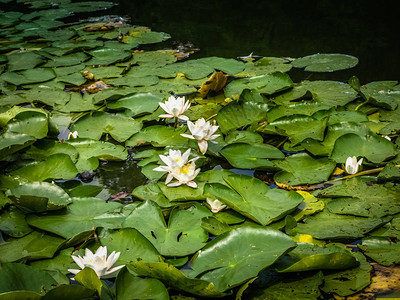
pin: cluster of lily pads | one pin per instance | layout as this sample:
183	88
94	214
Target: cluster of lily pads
278	190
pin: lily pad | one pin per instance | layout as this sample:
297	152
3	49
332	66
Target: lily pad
136	246
322	62
236	115
137	104
265	65
253	198
143	288
226	65
32	123
28	76
118	126
251	255
380	249
108	56
326	225
174	278
39	197
82	215
265	84
23	60
12	222
254	156
32	246
307	257
182	236
303	169
382	93
159	136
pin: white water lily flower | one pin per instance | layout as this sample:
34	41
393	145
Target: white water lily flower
174	160
215	205
386	137
73	135
175	107
202	131
98	261
185	175
352	164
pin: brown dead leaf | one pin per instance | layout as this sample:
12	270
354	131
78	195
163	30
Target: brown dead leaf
95	87
385	280
215	83
99	27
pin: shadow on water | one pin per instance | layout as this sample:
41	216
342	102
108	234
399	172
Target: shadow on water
365	29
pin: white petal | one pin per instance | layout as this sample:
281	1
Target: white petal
169	178
187	136
114	269
203	146
185	155
161	169
78	261
183	117
192	184
101	251
112	259
178	183
74	271
166	116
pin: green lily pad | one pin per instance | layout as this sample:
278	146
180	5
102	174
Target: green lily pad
348	282
301	168
326	225
360	198
19	277
88	6
253	198
91	150
82	215
394	118
373	147
147	288
298	128
159	136
32	246
57	166
137	104
23	60
118	126
322	62
32	123
253	156
61	262
12	222
13	142
235	115
251	256
382	93
245	136
66	60
108	56
28	76
39	196
44	148
289	287
182	236
135	246
175	279
265	65
265	84
226	65
307	257
380	249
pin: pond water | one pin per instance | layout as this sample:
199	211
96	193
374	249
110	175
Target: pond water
365	29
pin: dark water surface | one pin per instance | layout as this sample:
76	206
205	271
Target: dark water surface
368	30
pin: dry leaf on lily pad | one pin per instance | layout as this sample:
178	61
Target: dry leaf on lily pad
215	83
385	281
95	87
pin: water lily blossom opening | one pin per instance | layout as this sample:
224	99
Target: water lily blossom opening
215	205
202	131
185	175
175	107
97	261
174	160
352	165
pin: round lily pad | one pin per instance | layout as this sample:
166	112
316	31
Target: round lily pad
326	62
